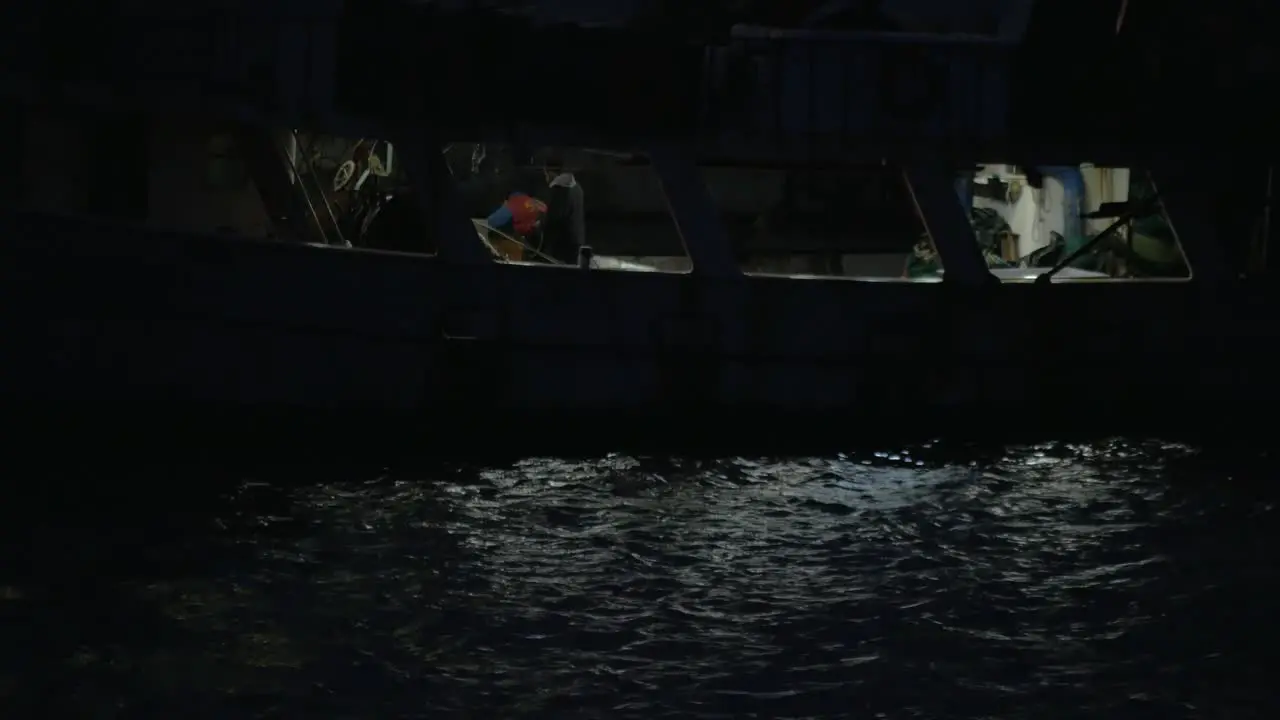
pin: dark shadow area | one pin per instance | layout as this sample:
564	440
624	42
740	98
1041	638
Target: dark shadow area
157	602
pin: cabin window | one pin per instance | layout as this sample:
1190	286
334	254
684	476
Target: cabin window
1097	222
603	208
338	191
849	222
225	170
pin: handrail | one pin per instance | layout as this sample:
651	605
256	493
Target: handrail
222	52
764	32
821	91
792	93
276	57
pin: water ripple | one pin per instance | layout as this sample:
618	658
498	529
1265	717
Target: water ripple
1064	579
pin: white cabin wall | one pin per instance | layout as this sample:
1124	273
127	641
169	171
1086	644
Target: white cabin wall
1035	215
1103	184
1026	220
1051	201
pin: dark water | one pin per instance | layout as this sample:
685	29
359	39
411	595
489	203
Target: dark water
1117	580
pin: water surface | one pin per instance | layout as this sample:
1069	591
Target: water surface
1114	580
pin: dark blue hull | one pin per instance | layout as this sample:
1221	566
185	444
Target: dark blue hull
127	334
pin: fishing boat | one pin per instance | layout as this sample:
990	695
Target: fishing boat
191	251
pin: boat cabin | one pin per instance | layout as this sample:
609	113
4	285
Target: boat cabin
179	174
807	160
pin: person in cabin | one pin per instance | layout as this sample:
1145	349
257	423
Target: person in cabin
553	229
519	217
518	220
565	230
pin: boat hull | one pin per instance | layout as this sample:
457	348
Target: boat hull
128	336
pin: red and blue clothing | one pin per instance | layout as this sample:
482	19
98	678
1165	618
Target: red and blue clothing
521	213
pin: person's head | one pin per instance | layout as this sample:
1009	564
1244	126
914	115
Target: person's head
555	164
552	165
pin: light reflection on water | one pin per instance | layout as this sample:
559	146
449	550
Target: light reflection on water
1108	579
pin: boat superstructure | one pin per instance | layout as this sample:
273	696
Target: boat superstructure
228	268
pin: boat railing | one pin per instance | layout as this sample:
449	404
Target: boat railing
829	92
775	91
172	57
